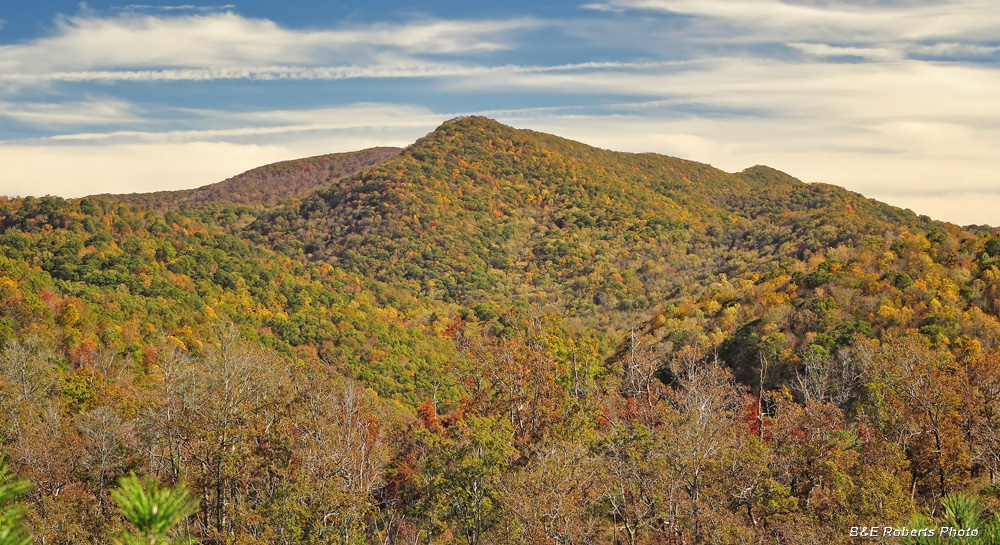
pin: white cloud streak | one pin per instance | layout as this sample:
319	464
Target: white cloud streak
274	123
183	7
599	6
785	89
386	69
57	114
145	45
869	53
767	20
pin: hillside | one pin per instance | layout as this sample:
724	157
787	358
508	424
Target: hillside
499	336
269	183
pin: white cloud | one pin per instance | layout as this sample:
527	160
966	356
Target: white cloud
953	49
843	93
600	6
183	7
777	20
388	67
272	123
870	53
146	44
55	114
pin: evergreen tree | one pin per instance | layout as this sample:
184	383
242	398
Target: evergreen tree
12	531
960	512
152	509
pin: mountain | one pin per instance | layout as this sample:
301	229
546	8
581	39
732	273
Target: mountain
485	216
499	336
477	209
270	183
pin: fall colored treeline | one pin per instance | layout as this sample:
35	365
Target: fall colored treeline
548	443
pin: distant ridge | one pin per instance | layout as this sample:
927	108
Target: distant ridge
270	183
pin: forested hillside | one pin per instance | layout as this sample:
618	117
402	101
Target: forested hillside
499	336
269	183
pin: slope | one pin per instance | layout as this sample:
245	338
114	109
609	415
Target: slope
270	183
99	276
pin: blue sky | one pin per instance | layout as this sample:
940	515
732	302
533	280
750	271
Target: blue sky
897	100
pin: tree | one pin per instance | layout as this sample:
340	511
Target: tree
703	429
961	512
27	377
151	509
915	398
337	458
12	531
461	476
553	498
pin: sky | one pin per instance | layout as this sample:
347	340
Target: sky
897	100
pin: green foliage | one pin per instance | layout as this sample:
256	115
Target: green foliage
153	510
12	530
961	512
462	475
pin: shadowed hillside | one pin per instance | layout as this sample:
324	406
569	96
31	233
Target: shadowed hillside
270	183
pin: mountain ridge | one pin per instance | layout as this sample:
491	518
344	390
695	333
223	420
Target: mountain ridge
268	183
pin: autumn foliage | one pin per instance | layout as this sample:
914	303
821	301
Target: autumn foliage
498	336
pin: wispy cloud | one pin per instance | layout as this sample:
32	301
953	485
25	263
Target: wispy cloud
953	49
839	19
789	89
57	114
868	53
143	46
387	68
239	125
183	7
599	6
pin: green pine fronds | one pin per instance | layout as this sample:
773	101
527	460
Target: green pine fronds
12	531
152	509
